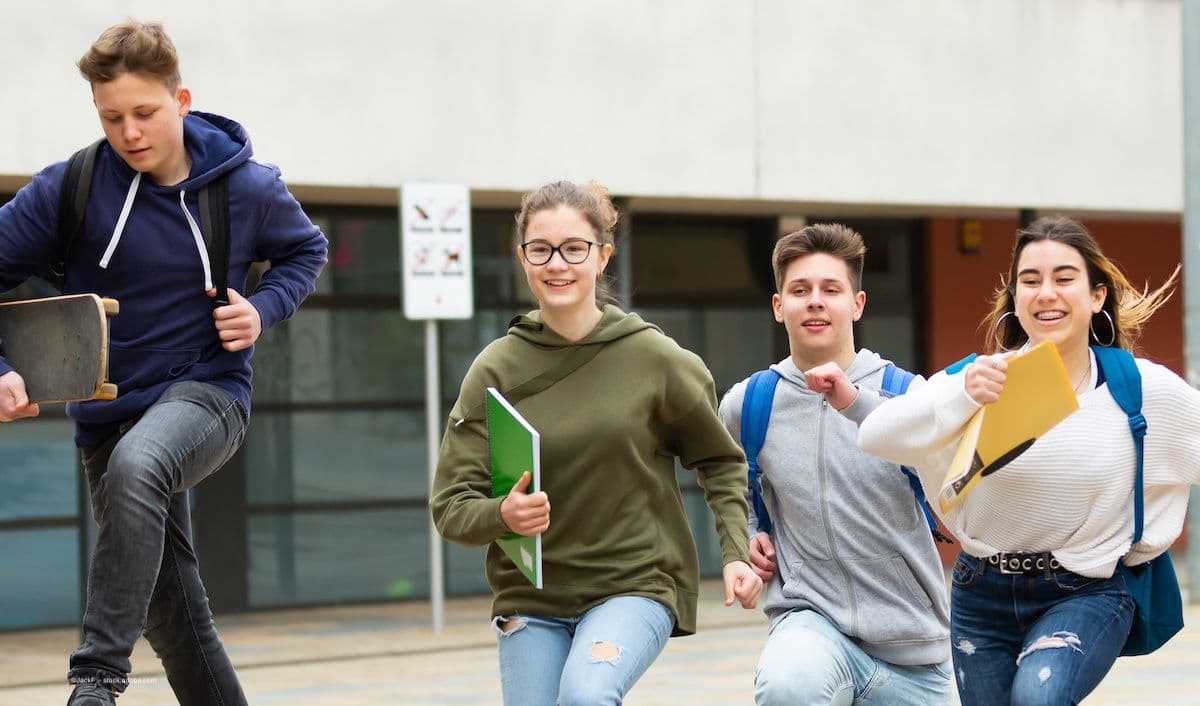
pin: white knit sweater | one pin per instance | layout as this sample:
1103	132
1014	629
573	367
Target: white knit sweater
1071	493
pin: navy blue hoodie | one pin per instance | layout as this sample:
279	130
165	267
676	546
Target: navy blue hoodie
165	332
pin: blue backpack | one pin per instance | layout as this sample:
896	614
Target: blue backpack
756	415
1158	612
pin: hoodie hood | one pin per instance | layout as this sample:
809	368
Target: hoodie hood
215	144
866	362
614	324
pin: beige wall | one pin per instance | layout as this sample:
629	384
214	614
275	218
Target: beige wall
959	103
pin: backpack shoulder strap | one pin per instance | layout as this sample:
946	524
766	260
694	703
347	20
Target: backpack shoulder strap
896	380
214	225
756	415
960	364
1125	385
72	200
570	361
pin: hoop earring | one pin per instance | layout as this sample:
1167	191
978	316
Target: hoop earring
996	327
1111	327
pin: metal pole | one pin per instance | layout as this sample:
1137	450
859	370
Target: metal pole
1190	10
433	424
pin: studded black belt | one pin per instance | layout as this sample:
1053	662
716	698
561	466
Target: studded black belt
1019	563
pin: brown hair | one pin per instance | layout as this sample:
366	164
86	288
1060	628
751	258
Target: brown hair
132	47
1127	307
833	239
590	200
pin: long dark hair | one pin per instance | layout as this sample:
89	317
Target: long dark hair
1128	308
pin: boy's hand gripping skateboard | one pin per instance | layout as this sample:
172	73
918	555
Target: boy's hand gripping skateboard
59	345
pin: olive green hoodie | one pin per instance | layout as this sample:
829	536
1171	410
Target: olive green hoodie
610	432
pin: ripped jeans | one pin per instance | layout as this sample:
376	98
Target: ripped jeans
1047	638
593	659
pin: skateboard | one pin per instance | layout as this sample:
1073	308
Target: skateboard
59	345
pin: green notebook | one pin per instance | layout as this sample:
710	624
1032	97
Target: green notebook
514	447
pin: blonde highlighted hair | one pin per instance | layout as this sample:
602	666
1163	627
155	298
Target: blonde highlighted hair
132	47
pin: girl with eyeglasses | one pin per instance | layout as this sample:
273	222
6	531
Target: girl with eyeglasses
1040	607
615	402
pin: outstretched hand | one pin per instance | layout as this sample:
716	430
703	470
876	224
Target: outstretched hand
14	402
830	380
238	323
742	583
525	513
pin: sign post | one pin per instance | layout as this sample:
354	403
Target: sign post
435	250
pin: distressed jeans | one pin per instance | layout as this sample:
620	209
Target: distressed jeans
592	659
808	661
144	577
1034	639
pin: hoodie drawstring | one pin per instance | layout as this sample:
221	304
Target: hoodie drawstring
199	238
120	228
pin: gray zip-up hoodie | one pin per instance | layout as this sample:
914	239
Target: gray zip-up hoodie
850	541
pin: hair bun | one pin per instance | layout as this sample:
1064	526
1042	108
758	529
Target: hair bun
608	212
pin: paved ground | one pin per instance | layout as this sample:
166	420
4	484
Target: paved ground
387	654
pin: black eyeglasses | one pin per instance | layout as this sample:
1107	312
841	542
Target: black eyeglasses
573	251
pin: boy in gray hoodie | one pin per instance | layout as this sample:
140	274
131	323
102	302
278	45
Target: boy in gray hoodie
855	590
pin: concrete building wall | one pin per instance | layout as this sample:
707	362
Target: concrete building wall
949	103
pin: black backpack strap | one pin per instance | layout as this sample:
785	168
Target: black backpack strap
72	200
214	225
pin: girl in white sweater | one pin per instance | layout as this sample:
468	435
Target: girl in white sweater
1059	517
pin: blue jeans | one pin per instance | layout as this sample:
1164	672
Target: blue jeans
592	659
808	661
1047	638
144	576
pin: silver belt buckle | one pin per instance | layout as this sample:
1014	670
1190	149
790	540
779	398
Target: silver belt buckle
1010	565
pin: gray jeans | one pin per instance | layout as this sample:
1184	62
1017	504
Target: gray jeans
144	577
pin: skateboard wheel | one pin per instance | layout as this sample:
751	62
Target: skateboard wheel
107	391
112	307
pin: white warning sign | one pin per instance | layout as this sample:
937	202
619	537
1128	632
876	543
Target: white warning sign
435	247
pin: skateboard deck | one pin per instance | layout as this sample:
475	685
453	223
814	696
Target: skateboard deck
59	345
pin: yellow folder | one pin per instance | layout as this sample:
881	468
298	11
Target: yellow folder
1037	395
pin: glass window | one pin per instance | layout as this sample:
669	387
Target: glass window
40	469
732	342
465	570
499	279
701	259
338	556
323	456
364	251
462	340
891	324
41	577
341	355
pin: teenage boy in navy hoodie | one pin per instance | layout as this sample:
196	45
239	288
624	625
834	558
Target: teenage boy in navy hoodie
182	365
854	586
